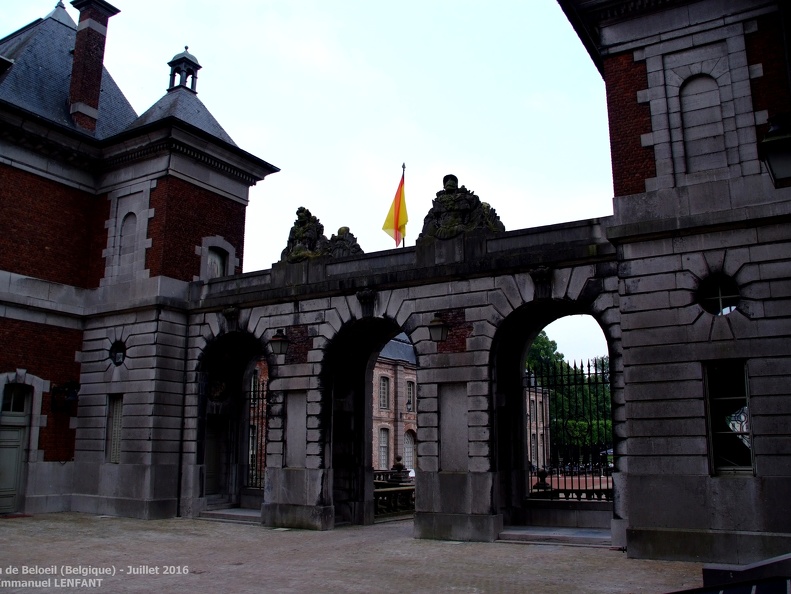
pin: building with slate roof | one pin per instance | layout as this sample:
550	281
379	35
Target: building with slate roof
106	218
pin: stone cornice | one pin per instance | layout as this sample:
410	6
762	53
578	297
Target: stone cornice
30	132
171	145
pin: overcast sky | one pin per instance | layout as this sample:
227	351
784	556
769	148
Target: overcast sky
339	93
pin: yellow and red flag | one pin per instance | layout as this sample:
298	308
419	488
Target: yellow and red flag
395	223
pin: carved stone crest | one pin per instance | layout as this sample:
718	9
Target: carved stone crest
306	238
344	244
456	210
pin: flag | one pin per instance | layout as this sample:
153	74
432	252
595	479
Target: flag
395	223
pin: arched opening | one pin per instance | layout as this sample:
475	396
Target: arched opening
127	247
365	377
553	422
232	421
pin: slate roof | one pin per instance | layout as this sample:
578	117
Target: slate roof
399	349
183	104
38	80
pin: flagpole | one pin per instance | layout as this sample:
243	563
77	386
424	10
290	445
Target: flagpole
403	173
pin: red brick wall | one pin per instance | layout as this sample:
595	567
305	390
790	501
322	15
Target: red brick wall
632	164
299	344
51	231
48	353
183	215
459	331
771	91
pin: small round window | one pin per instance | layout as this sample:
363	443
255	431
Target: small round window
718	294
118	352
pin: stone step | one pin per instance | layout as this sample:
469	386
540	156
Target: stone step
234	514
589	537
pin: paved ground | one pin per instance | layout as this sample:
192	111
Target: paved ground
219	557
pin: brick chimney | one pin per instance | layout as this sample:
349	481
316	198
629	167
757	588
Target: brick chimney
86	71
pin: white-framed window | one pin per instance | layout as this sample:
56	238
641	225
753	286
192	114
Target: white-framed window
410	396
409	450
384	392
384	448
115	413
727	407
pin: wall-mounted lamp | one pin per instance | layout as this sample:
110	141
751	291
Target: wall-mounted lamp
437	329
279	342
63	395
775	150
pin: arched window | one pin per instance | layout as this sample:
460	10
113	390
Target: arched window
409	450
701	119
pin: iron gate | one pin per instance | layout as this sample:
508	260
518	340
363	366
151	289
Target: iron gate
569	430
255	419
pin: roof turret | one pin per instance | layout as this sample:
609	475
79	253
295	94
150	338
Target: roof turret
181	101
185	66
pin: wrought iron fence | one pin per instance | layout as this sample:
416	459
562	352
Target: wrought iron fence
569	430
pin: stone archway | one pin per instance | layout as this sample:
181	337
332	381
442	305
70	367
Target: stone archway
223	441
346	383
512	398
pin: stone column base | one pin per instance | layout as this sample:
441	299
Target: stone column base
707	546
465	527
306	517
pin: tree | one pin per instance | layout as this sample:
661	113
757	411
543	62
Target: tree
543	350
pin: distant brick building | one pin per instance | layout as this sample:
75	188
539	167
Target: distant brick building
395	405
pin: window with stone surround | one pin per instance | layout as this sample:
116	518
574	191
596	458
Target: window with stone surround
384	392
217	262
718	294
728	415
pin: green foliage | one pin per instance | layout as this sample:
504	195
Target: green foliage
543	350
